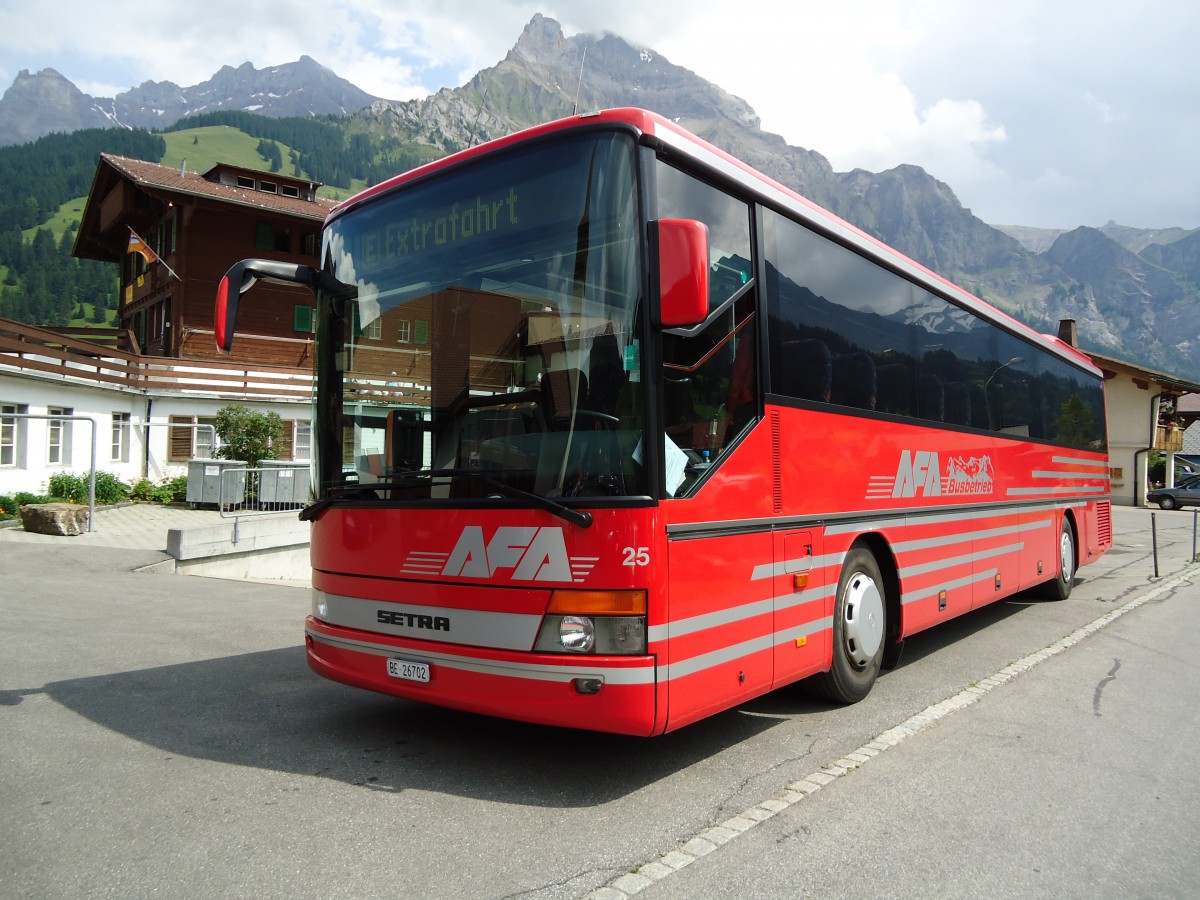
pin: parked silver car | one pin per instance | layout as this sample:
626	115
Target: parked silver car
1186	493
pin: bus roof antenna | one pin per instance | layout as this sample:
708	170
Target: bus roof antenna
579	85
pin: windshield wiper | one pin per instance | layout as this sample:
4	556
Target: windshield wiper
582	518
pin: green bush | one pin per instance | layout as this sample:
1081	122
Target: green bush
74	488
171	490
178	488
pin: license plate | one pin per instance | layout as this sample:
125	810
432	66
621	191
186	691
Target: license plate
409	671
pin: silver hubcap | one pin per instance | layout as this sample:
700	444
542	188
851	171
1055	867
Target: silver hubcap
863	620
1067	557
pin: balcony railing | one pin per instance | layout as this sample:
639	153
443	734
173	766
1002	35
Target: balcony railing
1168	438
31	350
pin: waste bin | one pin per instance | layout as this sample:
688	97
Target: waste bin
283	481
205	477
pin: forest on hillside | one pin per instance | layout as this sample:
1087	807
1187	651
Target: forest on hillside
42	284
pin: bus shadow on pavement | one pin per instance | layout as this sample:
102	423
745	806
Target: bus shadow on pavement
266	710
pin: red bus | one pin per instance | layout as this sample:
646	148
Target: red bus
612	432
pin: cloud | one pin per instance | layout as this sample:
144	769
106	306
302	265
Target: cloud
1108	115
1026	102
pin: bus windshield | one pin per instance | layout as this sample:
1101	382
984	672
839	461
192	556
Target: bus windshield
487	343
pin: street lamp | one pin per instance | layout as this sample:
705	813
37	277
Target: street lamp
986	402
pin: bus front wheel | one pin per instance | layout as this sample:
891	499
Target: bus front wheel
859	626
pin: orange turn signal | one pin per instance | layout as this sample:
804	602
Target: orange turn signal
597	603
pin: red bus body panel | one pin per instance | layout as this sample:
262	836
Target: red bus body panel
738	604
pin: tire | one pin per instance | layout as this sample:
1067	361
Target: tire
859	629
1059	588
1166	502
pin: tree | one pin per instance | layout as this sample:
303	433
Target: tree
1075	426
247	435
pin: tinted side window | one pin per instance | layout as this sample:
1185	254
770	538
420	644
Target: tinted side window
845	331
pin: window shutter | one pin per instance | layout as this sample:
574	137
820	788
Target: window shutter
181	441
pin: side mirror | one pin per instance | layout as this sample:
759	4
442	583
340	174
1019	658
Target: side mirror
682	272
240	278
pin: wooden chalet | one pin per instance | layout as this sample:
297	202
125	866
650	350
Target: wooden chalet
198	225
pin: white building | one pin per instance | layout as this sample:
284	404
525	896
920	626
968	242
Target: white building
61	400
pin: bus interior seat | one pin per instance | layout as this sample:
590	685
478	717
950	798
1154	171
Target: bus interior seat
894	382
563	390
958	403
854	381
607	375
931	401
807	370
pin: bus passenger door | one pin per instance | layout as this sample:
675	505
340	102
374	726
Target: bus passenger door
720	623
801	606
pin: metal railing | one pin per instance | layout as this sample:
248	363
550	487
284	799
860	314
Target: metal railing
92	470
264	490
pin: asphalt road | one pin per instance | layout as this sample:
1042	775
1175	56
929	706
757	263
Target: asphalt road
162	735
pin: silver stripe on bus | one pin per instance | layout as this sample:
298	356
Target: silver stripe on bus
642	674
1081	489
729	654
730	615
962	537
1077	461
926	593
948	563
481	628
716	657
807	563
1063	473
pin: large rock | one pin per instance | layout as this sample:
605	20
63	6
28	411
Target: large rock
55	518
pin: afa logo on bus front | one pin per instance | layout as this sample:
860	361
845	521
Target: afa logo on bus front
523	552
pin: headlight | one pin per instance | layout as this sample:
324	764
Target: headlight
320	605
603	635
576	633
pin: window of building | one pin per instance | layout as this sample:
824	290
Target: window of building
245	181
302	442
289	190
120	437
58	437
295	441
268	187
302	319
374	329
268	237
311	243
166	234
189	441
12	433
404	331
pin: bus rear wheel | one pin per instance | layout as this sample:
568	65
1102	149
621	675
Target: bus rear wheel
859	626
1060	587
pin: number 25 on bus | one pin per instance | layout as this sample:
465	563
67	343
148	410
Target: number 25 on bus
612	432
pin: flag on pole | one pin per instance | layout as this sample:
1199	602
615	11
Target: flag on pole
142	249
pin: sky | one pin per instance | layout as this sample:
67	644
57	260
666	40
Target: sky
1049	114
